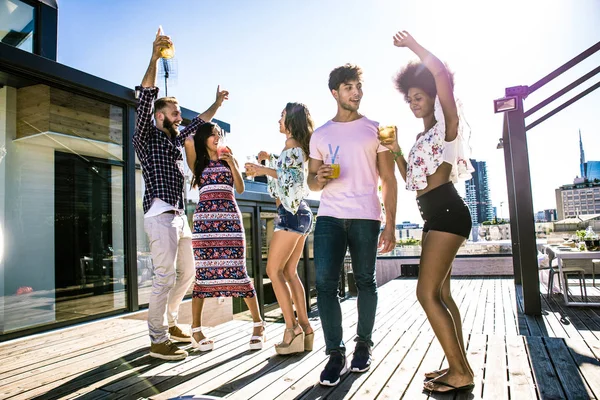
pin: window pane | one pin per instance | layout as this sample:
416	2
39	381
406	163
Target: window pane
61	206
17	24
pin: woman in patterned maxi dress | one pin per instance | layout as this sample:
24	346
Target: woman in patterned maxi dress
218	236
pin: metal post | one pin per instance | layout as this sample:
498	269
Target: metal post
257	245
306	275
524	210
46	36
130	225
512	207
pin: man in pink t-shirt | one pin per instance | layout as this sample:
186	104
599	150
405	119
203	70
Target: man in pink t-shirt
349	217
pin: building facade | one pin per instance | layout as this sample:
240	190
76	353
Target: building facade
477	194
577	199
546	215
72	241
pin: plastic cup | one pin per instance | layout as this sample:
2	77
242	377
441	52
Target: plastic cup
250	160
335	165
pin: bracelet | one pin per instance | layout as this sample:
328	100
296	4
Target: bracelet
397	154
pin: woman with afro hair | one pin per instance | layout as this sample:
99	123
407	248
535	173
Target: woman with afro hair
435	162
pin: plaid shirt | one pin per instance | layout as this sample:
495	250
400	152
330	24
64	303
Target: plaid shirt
161	157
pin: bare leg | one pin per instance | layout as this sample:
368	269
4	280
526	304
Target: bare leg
439	250
290	273
281	252
448	300
197	307
252	303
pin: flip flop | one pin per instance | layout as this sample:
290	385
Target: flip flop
453	389
435	374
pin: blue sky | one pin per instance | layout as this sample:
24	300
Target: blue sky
268	52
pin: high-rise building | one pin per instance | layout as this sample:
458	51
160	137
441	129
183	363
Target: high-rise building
546	215
478	194
589	170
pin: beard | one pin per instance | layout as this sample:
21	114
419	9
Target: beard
170	126
349	106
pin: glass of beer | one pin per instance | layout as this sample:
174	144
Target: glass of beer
169	51
334	161
387	134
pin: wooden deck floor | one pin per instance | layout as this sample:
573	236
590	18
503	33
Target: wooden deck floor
553	356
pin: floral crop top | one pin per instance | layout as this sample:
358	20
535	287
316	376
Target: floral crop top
290	187
431	150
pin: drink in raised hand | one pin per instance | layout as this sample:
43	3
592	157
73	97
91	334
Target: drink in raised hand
169	51
387	134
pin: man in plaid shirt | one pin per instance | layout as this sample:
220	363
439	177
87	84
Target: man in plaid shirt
159	145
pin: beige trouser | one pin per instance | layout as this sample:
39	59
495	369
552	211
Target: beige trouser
173	260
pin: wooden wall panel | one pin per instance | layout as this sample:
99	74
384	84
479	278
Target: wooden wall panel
42	108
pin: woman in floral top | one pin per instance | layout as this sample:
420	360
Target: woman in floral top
287	183
435	162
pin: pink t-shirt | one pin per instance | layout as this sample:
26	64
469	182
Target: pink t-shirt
354	194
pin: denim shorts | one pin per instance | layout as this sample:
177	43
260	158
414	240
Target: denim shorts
444	210
301	222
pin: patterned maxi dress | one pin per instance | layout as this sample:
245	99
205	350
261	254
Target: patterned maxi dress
218	238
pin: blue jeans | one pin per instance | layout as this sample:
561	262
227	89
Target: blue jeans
332	237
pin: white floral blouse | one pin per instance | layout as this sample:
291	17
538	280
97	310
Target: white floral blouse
290	187
427	155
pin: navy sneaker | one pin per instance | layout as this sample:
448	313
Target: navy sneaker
336	367
361	361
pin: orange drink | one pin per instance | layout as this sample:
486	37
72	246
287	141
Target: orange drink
169	51
335	165
387	134
336	171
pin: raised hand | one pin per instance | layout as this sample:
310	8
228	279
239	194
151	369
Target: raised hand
254	169
263	156
227	156
221	95
161	41
404	39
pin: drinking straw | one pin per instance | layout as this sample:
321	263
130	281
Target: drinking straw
333	154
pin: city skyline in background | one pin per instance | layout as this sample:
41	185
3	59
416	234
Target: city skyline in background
267	53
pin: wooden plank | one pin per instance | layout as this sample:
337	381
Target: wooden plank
560	320
471	305
510	321
85	129
384	328
376	380
219	376
386	319
534	323
499	317
588	364
545	376
432	360
89	364
496	386
570	378
476	353
489	321
520	379
405	373
135	369
307	386
573	317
